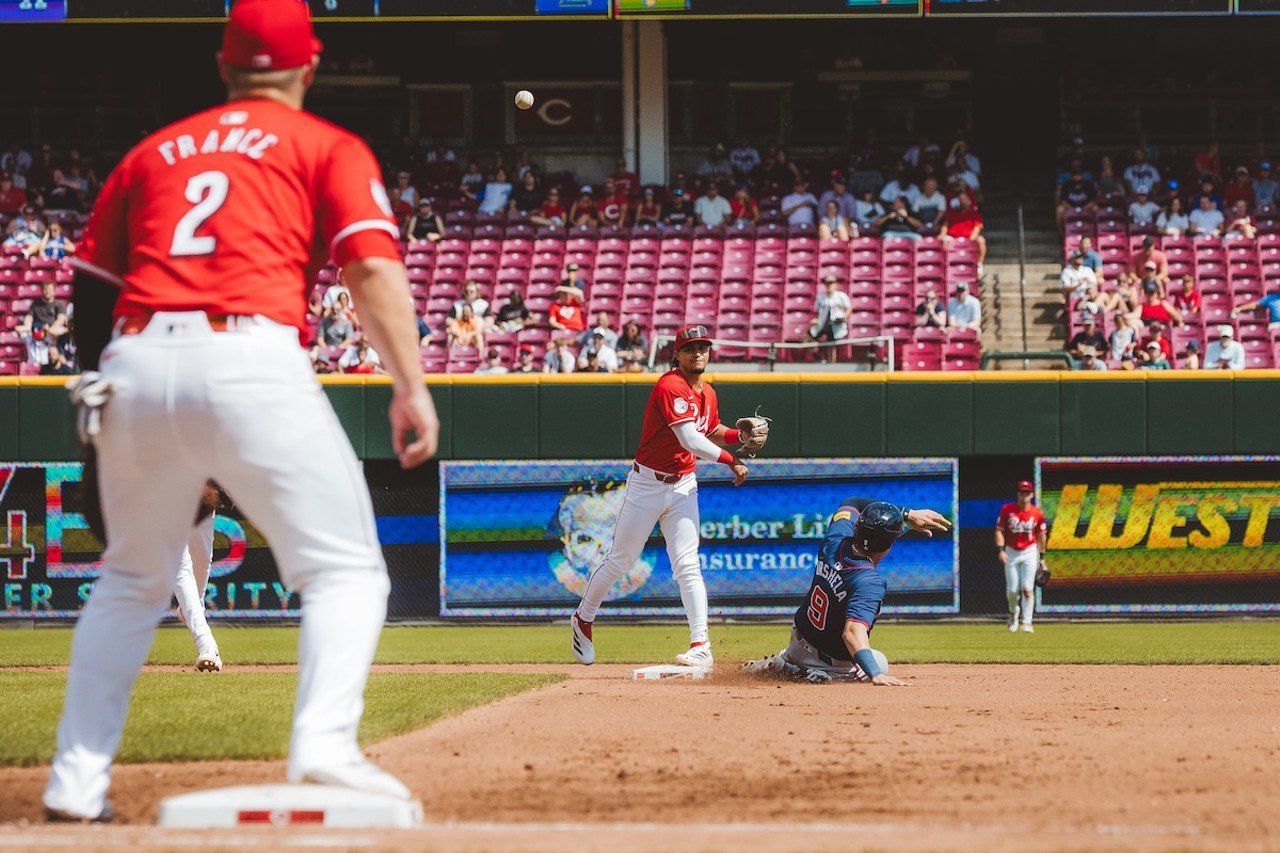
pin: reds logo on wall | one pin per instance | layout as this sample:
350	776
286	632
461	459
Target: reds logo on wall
559	111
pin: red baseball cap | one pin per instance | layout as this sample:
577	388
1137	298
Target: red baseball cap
269	35
1026	486
691	334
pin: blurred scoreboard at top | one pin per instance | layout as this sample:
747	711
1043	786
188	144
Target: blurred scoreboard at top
36	11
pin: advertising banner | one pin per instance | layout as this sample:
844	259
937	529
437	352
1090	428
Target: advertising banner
1162	534
522	538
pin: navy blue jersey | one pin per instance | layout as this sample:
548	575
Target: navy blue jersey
845	586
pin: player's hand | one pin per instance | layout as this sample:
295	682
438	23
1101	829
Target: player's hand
1002	557
926	521
739	472
888	681
413	416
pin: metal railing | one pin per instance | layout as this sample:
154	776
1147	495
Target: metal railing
773	348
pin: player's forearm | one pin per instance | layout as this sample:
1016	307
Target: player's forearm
381	289
1041	544
999	538
699	445
856	637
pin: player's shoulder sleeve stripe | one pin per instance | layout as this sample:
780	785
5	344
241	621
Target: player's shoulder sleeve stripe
97	271
842	515
363	225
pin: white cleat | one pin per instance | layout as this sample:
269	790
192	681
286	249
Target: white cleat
699	654
207	657
1013	624
358	775
584	650
1027	629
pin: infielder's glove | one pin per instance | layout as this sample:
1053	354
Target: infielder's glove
1043	575
755	433
213	499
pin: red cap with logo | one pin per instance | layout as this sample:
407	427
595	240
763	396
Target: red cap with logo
1026	486
691	334
269	35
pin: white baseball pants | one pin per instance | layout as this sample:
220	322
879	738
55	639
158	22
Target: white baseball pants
1020	581
242	407
193	577
674	507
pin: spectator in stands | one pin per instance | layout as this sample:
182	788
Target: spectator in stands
48	313
964	311
745	209
524	360
1173	221
12	199
471	180
964	222
800	207
930	207
527	195
360	358
336	328
716	166
615	206
424	331
408	192
574	279
1149	259
606	358
1188	300
1092	259
899	222
830	312
551	212
632	348
59	363
1142	210
1075	166
899	186
1156	330
1152	357
513	315
1240	225
492	363
969	180
1127	362
712	209
1155	306
648	211
864	177
1240	189
559	358
1123	338
470	299
782	172
1140	173
1207	163
425	224
678	210
924	151
54	244
400	211
930	313
465	330
1075	194
1206	220
1265	187
17	160
839	193
744	159
1106	181
680	182
866	211
25	230
833	225
1207	188
1091	303
40	175
496	194
1089	359
1226	353
962	156
1191	360
566	316
1087	338
585	213
624	180
1269	303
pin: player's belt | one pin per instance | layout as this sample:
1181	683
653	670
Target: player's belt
657	475
135	323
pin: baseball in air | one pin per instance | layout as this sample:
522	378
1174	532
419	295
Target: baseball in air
524	99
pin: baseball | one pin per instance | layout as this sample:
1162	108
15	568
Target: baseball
524	99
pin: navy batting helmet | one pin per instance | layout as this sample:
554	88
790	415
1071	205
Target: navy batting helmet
879	525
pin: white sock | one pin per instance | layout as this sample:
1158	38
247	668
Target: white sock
1028	607
693	594
1013	604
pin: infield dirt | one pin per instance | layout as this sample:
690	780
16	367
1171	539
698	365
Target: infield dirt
992	757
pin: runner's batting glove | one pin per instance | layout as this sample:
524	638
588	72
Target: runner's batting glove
755	433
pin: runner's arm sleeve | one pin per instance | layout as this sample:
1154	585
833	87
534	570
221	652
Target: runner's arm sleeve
698	444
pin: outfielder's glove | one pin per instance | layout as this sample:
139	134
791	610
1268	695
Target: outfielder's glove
1043	575
212	499
755	433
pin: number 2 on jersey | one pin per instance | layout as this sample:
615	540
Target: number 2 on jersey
207	191
818	604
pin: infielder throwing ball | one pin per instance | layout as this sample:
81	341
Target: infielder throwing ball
681	426
1020	541
198	256
831	635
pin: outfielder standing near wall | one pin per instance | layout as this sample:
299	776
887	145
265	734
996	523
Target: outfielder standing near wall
1020	541
193	577
198	256
681	426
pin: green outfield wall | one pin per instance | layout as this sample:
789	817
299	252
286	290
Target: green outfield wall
814	414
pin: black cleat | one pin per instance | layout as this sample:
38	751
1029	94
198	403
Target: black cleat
107	815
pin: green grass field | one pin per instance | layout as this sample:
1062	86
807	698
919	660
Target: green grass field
236	716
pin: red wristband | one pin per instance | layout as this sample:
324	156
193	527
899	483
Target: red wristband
726	458
733	436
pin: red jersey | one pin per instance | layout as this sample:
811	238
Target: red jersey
613	210
231	210
673	401
1021	526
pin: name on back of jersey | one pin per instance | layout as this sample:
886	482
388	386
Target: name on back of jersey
832	577
252	142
